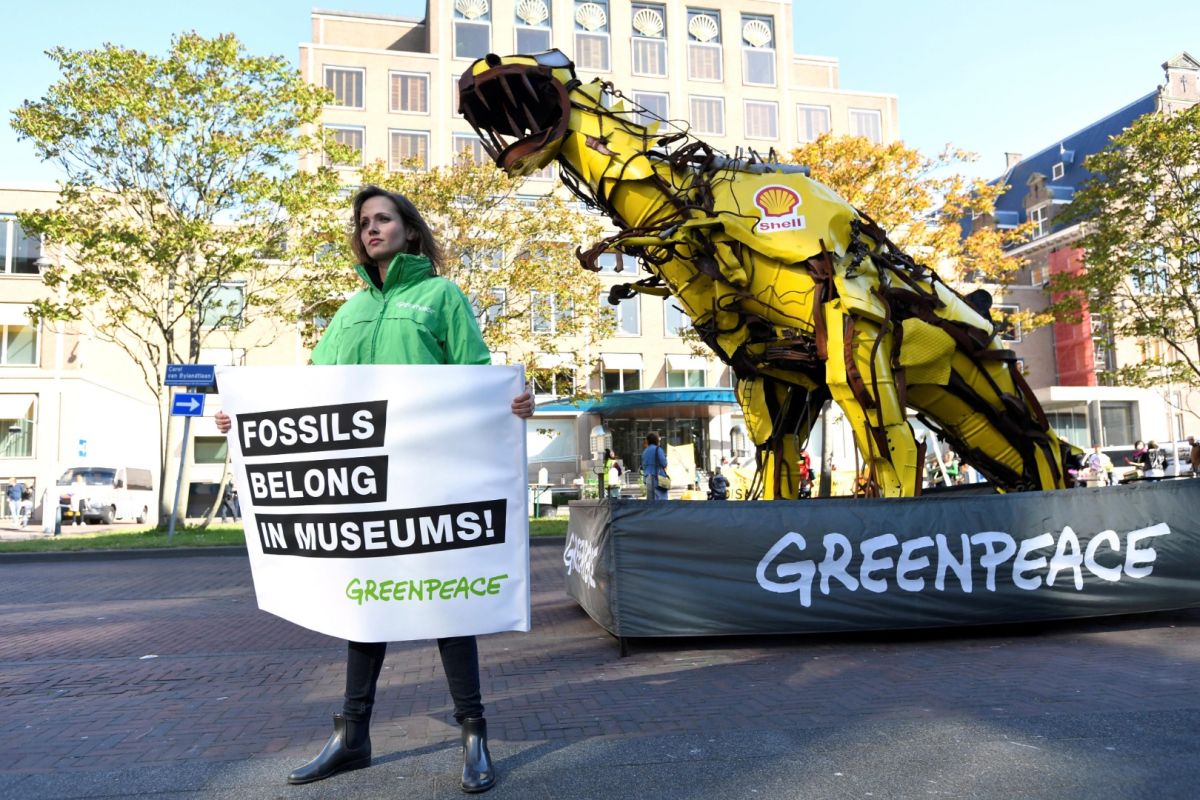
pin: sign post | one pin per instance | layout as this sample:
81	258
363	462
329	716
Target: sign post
186	405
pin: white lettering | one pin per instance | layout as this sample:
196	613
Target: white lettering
1135	557
1023	563
1064	560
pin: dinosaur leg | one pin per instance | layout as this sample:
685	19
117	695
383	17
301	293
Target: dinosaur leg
986	412
862	382
779	417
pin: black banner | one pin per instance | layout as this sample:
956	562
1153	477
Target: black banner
334	481
391	532
316	429
687	568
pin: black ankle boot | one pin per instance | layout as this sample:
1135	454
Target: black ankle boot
478	773
348	748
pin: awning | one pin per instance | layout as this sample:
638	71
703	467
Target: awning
686	362
645	398
551	360
621	360
16	406
14	314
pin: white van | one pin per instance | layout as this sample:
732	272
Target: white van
105	494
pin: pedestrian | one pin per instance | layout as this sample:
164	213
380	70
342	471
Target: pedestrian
13	494
398	261
1154	461
654	469
1138	456
612	474
229	502
1195	456
804	473
718	486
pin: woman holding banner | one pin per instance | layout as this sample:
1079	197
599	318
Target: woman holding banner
398	260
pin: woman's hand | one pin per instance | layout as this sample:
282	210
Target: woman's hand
522	404
224	423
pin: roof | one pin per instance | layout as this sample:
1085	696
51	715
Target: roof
645	398
1071	152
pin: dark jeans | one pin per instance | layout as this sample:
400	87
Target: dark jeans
460	661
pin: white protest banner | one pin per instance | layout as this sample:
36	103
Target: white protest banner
383	503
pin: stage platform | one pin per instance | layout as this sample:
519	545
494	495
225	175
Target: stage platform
658	569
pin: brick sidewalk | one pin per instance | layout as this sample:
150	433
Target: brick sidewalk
110	664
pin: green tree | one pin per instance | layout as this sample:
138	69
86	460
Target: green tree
513	255
921	202
184	212
1140	217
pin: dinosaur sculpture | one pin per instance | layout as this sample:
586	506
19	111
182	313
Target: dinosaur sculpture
803	296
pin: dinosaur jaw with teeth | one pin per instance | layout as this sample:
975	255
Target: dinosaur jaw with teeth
519	110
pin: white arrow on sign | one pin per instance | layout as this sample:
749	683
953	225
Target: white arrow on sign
190	405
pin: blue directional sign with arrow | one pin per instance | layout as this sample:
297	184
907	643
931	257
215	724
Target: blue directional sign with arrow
187	404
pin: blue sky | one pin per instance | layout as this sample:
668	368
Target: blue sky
988	77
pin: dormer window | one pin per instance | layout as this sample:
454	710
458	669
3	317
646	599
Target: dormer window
1057	171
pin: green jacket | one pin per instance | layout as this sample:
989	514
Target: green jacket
416	318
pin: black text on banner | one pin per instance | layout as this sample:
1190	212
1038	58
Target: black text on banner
316	429
372	534
334	481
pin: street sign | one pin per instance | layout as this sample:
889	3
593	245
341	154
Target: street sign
191	375
187	404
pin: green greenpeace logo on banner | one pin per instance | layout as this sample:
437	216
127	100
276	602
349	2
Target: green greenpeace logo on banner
419	589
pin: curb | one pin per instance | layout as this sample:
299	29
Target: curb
174	552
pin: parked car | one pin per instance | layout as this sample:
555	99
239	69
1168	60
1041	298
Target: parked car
106	494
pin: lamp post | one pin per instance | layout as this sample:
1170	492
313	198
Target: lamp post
51	512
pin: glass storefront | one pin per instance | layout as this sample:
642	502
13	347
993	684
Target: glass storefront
629	437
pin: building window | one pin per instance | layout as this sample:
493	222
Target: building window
867	123
224	306
1057	171
408	150
762	119
704	45
346	83
472	29
1007	328
547	312
349	137
210	449
1117	423
758	50
622	380
708	115
1070	426
469	148
17	425
492	308
686	371
1039	217
591	35
555	382
532	20
409	92
19	251
655	105
813	122
626	315
610	262
649	40
675	322
18	337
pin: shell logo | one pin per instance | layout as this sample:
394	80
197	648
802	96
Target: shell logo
776	201
778	205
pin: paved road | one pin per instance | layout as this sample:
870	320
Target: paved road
159	678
